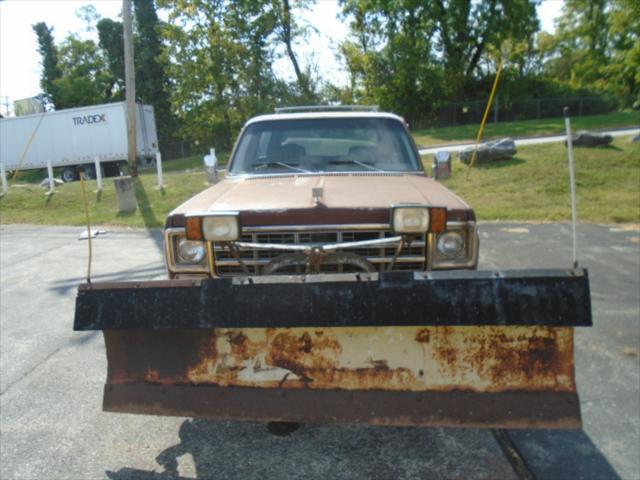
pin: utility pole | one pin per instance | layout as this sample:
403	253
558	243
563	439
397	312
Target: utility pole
130	85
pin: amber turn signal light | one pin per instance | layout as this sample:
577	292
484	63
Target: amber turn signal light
194	228
438	220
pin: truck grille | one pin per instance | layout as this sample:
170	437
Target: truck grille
411	258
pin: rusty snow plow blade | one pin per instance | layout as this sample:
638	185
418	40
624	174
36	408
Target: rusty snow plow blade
476	349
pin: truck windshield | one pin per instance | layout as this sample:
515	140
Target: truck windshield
324	145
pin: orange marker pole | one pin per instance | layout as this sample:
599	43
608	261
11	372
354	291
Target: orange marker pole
484	118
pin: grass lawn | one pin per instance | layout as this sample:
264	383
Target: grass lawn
28	203
547	126
531	187
534	185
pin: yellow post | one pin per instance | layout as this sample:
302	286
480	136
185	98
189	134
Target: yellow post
484	118
86	213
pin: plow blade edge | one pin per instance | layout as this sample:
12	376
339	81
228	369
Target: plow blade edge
476	349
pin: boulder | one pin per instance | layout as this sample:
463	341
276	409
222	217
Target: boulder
636	139
590	139
489	152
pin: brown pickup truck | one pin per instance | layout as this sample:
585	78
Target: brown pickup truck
323	192
327	278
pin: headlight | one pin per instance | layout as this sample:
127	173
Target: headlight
410	219
221	228
190	251
450	244
213	226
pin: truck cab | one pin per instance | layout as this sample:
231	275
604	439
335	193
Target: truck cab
321	192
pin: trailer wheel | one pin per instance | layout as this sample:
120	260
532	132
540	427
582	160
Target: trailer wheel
147	162
69	174
89	172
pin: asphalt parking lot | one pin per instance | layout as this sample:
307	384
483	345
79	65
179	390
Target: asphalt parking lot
51	379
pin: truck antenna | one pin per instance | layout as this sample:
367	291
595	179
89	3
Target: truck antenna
572	183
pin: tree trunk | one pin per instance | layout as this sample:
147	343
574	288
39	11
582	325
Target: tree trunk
286	37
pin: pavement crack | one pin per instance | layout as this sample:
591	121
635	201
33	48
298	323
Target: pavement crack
31	370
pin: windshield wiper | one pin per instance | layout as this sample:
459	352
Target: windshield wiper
356	162
291	166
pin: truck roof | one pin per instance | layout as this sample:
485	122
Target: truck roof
315	115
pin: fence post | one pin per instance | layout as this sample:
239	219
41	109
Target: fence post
580	111
495	112
159	169
50	173
455	107
3	176
538	109
96	163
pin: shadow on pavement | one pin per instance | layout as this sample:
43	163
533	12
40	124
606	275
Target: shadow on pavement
146	210
63	287
246	450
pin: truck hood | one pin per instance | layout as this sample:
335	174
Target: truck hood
348	191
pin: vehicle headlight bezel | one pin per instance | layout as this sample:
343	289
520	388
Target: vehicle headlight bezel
189	252
175	265
451	244
213	226
466	258
410	219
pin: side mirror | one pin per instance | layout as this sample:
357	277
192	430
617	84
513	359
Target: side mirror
442	165
211	166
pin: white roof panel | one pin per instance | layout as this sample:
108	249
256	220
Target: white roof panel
315	115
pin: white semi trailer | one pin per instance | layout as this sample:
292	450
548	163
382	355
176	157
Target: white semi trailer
73	138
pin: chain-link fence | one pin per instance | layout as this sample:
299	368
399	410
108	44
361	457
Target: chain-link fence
181	149
464	113
508	110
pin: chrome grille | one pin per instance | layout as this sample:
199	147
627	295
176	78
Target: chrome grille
411	258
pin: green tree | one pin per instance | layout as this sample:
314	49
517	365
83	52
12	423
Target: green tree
111	42
84	78
151	80
596	46
221	54
390	56
50	69
287	30
408	55
578	48
623	69
466	30
89	15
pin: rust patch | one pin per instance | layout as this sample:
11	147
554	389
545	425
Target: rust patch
306	342
157	356
299	353
297	348
379	377
490	359
534	358
241	346
379	364
423	336
152	376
